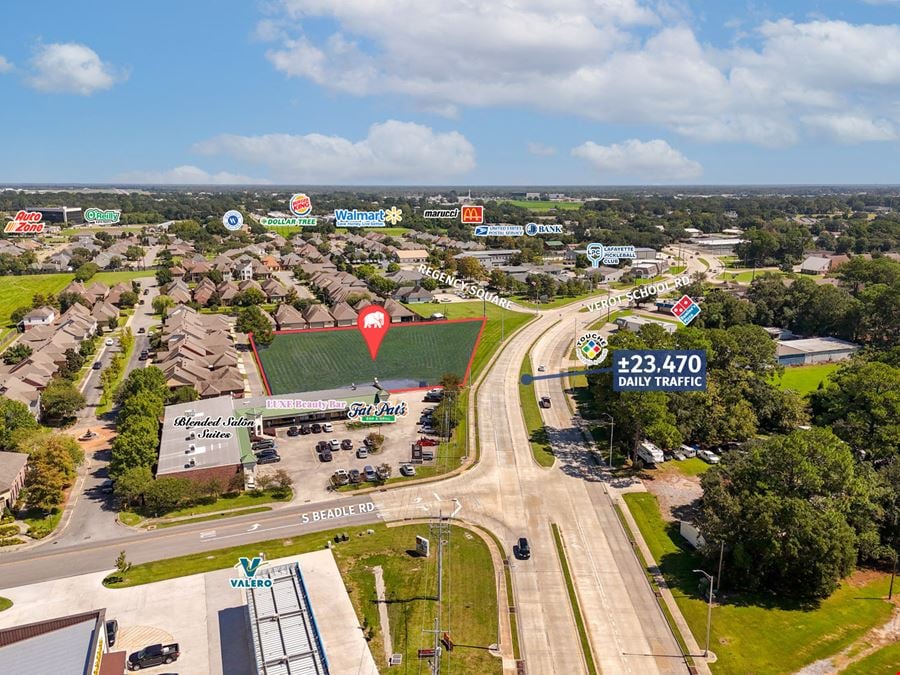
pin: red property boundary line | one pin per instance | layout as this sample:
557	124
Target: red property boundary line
410	324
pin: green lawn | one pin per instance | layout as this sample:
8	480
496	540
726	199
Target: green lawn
5	603
748	275
215	516
537	205
43	524
886	661
411	355
556	302
537	433
227	502
758	633
500	322
470	599
677	269
692	466
704	261
573	601
804	379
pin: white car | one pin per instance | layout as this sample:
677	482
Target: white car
335	444
327	427
709	457
435	391
109	342
407	470
362	453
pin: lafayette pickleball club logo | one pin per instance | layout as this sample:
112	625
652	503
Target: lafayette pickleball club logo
301	205
590	349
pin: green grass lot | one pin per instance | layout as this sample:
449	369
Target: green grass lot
885	661
755	633
677	269
747	276
42	524
499	322
214	516
410	356
5	603
693	466
470	599
535	205
17	291
552	304
704	261
805	379
573	600
537	433
228	502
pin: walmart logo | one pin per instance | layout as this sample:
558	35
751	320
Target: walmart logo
249	566
393	215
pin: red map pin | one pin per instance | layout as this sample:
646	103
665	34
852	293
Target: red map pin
373	322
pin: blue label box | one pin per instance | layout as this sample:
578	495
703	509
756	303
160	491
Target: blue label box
659	370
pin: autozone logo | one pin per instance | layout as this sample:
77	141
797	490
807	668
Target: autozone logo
472	215
25	222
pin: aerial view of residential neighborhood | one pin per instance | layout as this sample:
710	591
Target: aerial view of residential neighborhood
518	338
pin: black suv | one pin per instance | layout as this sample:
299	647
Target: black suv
293	431
523	550
304	429
317	428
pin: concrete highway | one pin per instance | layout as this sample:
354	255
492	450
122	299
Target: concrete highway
506	493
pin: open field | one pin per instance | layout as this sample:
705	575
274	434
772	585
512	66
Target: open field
536	205
17	291
500	323
756	633
747	276
804	379
470	599
886	660
411	355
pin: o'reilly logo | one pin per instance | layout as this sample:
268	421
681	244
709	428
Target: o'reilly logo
249	566
95	216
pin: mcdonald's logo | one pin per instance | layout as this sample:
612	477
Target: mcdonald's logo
472	215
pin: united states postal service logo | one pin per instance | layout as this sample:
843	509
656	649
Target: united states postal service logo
590	349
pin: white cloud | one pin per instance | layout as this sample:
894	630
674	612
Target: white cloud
187	175
653	160
852	128
391	152
71	68
615	61
540	149
5	66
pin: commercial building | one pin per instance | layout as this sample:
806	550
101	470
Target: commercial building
65	215
635	323
12	477
716	246
69	645
813	350
490	258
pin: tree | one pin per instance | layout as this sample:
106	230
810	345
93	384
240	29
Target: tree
74	362
252	296
375	439
787	513
133	484
147	380
134	252
86	271
122	564
60	401
17	353
252	320
135	445
66	300
184	394
128	299
161	304
16	422
470	268
52	459
18	314
163	276
429	284
166	493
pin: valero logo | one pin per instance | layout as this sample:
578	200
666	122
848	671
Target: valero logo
26	222
301	205
472	215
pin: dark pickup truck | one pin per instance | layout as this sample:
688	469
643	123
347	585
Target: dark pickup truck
153	655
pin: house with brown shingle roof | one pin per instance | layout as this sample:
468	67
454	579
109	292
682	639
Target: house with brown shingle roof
273	289
399	313
288	318
227	290
318	317
343	314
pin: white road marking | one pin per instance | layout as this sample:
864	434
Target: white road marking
253	527
208	534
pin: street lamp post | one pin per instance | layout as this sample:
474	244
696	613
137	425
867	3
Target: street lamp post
710	578
612	429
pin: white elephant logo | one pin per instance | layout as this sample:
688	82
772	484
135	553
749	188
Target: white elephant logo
374	320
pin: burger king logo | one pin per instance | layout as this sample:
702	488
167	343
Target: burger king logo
301	205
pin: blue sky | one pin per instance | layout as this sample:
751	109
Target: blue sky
312	92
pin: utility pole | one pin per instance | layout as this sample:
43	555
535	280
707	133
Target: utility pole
711	579
612	428
721	556
440	529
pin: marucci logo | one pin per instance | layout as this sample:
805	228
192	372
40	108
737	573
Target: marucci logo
440	213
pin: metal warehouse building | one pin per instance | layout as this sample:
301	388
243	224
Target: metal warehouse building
285	636
813	350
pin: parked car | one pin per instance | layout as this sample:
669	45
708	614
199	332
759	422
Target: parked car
144	355
261	445
334	444
142	330
432	398
709	457
688	450
545	402
355	476
153	655
383	472
427	411
370	473
112	630
340	477
268	452
436	390
327	428
346	444
293	431
541	369
107	486
109	342
407	470
368	443
427	429
146	291
97	365
362	453
522	549
316	428
322	446
304	429
325	456
427	441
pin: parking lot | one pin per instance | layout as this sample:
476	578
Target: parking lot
312	476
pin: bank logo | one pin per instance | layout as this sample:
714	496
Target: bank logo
26	222
233	220
301	205
393	215
610	255
248	568
686	310
533	229
472	215
101	217
590	349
